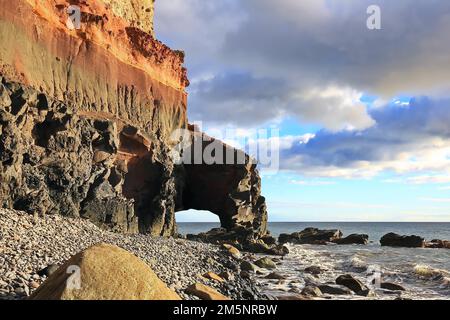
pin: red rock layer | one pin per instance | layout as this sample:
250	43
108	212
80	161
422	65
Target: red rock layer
107	66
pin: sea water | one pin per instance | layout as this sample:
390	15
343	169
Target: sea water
425	273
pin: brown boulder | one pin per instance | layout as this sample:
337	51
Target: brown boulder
213	276
205	293
104	272
232	251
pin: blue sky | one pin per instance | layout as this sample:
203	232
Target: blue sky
363	115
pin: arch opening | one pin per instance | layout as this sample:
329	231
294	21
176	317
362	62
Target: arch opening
196	221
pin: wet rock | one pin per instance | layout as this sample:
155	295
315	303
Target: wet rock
314	270
258	246
395	240
334	289
275	276
244	238
392	286
311	291
311	236
350	282
266	263
248	266
362	239
366	293
438	244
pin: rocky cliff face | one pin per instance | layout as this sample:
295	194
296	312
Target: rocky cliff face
86	117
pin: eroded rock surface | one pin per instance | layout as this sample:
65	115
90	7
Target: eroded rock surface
86	119
104	272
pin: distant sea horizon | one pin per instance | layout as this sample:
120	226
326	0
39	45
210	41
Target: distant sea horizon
375	230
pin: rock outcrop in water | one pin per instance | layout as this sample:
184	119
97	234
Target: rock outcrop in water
86	119
395	240
311	236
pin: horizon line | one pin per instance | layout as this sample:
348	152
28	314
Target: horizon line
329	222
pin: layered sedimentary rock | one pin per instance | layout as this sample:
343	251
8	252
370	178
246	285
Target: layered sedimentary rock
86	119
138	13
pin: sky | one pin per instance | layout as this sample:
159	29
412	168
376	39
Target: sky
363	116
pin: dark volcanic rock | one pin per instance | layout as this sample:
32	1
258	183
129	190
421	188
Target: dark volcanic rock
395	240
311	236
47	162
275	276
89	124
314	270
57	160
244	238
334	289
350	282
354	239
392	286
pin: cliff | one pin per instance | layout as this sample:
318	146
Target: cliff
86	117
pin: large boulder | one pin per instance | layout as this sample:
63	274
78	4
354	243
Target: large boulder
104	272
395	240
354	239
311	236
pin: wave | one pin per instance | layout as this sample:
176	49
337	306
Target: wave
358	264
428	272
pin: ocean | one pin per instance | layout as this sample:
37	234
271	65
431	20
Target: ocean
425	273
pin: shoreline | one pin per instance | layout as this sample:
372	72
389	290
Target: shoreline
29	244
